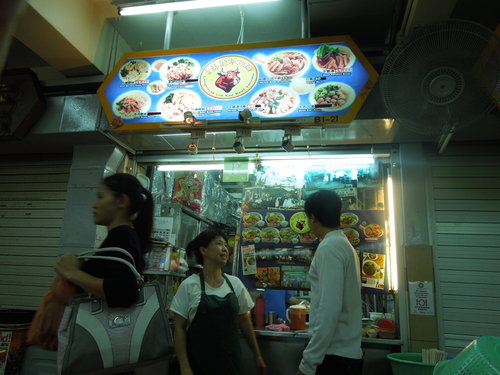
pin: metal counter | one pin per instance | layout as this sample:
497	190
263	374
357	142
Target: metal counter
282	352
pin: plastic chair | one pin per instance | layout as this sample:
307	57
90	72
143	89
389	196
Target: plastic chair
480	357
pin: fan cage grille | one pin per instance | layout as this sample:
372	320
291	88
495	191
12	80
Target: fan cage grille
462	54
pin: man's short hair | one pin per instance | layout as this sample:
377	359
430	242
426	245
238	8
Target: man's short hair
326	206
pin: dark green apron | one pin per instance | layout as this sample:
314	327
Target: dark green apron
213	343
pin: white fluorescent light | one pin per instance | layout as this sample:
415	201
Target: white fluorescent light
190	167
392	230
183	5
337	162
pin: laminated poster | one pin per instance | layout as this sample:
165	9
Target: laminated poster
365	230
248	259
162	227
284	247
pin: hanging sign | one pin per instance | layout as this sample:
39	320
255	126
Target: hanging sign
307	81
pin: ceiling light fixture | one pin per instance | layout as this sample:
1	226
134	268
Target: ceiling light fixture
247	117
191	167
189	118
287	144
238	145
181	5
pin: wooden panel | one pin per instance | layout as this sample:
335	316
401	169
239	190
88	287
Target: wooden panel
464	183
464	315
17	290
31	223
469	290
29	204
31	232
467	240
472	277
467	205
466	193
455	343
29	251
466	251
472	217
492	171
43	160
55	169
470	264
31	213
30	241
470	302
20	302
27	261
23	271
45	196
26	280
63	177
468	228
32	201
29	187
471	328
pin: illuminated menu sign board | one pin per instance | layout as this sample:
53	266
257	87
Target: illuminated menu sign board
320	80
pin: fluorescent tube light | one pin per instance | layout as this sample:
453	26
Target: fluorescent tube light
182	5
393	278
334	162
190	167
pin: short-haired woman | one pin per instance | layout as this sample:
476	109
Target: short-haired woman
208	309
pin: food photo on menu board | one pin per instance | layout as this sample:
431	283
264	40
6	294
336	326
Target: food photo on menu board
288	81
365	230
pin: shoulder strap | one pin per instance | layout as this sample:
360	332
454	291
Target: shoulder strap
84	255
115	249
227	280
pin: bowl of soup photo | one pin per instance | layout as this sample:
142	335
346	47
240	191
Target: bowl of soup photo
370	268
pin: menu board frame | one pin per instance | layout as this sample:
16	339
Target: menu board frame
299	119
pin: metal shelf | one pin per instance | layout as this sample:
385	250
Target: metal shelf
163	273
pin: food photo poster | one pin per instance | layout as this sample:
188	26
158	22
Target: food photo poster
277	248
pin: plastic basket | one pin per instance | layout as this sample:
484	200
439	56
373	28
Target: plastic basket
409	364
480	357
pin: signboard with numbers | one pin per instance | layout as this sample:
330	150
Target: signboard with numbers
313	81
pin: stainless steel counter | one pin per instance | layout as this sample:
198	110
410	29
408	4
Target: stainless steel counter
282	352
304	335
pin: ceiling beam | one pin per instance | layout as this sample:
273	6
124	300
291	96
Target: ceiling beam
68	35
425	12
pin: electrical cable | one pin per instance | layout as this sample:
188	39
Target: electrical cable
242	27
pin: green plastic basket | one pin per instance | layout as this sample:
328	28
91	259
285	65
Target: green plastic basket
480	357
409	364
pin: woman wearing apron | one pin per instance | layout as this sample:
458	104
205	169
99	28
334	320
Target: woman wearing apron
209	307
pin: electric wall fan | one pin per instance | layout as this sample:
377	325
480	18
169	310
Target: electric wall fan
442	77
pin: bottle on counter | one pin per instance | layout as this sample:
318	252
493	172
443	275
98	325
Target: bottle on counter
260	308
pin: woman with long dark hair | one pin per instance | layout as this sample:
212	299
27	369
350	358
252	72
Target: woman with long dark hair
209	307
125	207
